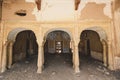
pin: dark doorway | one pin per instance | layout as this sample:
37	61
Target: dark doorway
90	46
57	42
25	46
57	49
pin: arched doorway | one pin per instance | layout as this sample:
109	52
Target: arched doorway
57	48
24	46
21	44
93	46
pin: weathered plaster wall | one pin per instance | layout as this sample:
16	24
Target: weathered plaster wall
93	11
105	6
117	32
10	7
57	10
0	32
0	9
117	24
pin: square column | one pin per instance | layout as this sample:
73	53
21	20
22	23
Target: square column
4	57
76	59
110	57
40	59
104	53
10	53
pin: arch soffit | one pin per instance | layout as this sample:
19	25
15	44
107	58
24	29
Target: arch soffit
101	32
58	29
13	34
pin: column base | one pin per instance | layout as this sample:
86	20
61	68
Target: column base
105	65
77	70
111	67
9	67
39	70
3	70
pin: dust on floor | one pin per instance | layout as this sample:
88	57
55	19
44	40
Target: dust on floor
59	67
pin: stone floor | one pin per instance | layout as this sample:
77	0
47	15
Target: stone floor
59	67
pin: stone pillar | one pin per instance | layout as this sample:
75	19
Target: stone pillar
110	56
10	54
1	42
76	42
0	51
40	59
43	53
76	59
104	53
4	57
72	50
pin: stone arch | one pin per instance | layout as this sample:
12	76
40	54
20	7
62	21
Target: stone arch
101	32
8	47
12	34
61	37
74	55
47	33
58	29
103	39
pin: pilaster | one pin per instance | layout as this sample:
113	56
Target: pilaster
104	53
110	56
10	53
4	57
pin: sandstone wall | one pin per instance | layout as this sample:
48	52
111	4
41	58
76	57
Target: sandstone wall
117	25
12	7
117	31
56	10
0	32
93	10
0	9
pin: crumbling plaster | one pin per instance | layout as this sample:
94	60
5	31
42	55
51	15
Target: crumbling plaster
106	10
56	10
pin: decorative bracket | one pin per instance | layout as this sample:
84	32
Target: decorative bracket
38	2
77	2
